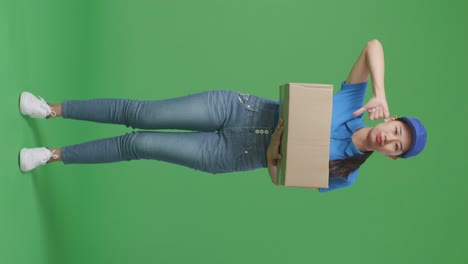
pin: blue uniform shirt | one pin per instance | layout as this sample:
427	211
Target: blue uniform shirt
349	99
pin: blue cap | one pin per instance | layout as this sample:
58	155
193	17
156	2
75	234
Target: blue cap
419	136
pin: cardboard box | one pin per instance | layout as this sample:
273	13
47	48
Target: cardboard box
305	145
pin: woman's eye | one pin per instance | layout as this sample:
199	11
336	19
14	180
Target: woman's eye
396	130
396	147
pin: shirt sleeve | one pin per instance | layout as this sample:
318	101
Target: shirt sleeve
347	100
340	182
351	95
353	87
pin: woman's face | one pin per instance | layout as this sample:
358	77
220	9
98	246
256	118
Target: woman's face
391	138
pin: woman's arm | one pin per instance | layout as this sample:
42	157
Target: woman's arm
273	151
371	61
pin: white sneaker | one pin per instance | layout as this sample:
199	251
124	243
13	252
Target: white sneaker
34	107
34	157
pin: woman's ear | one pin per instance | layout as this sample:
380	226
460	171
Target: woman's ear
392	157
392	118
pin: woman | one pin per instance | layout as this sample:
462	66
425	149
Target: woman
235	131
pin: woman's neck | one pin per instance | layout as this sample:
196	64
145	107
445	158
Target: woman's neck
360	139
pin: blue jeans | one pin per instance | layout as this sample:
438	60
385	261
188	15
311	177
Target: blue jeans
229	131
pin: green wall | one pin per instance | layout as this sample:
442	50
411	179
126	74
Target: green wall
406	211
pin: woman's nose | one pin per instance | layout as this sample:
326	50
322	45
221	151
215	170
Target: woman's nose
390	138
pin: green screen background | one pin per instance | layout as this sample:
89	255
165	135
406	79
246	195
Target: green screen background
406	211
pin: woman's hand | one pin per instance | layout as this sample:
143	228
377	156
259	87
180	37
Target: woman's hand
377	108
273	151
371	61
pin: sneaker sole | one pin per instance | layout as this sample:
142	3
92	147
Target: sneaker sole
21	158
21	102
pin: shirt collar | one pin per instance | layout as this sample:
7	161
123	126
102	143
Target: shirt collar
353	125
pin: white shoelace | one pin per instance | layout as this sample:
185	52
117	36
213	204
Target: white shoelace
52	155
47	108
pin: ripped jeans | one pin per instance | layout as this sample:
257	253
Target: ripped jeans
229	131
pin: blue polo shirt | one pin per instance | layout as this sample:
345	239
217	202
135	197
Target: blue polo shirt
343	124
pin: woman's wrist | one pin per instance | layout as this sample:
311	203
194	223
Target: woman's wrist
272	170
379	91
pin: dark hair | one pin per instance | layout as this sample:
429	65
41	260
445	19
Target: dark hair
343	167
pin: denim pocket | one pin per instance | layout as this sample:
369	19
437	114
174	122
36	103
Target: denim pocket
248	101
244	160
